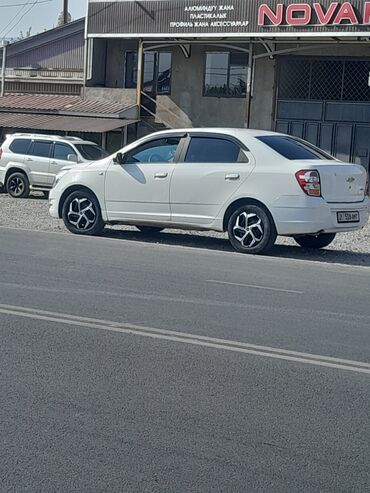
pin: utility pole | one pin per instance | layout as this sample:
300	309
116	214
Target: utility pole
65	11
3	68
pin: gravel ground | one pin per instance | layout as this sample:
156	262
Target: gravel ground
32	213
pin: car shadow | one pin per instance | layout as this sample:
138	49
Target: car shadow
203	242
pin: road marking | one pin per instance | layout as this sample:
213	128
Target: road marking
253	286
191	339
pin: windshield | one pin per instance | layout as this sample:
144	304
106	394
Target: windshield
91	152
293	148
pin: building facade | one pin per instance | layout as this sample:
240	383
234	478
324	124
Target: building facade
300	68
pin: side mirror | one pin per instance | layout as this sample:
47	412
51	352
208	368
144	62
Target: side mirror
72	158
119	159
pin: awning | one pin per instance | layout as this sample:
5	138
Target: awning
62	123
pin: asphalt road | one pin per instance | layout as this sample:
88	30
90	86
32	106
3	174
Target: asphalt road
142	367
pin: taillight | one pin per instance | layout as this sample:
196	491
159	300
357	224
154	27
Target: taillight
309	180
1	152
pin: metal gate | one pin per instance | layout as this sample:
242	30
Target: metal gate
327	102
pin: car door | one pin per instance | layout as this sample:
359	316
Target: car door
211	169
59	159
139	189
38	162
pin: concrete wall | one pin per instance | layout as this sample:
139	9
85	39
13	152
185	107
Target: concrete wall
263	94
187	100
126	97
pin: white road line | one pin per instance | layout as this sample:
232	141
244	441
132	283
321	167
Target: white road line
238	347
253	286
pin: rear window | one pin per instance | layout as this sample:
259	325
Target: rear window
20	146
212	150
292	148
91	152
40	148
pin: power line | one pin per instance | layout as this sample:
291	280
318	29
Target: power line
21	18
22	4
14	17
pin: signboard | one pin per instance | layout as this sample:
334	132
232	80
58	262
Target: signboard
232	18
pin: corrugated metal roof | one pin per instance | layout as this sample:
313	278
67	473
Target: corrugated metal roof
46	102
62	123
62	104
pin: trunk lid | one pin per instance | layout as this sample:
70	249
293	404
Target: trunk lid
340	182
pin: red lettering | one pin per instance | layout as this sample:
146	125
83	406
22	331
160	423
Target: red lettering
303	18
367	13
346	13
265	13
325	18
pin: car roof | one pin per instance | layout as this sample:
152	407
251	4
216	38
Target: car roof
236	132
67	138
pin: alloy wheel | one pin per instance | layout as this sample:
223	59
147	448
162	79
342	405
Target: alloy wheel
81	213
16	186
248	229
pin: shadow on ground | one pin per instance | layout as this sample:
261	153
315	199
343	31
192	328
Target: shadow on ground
187	239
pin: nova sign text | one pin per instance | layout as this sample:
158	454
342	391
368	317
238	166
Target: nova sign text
304	14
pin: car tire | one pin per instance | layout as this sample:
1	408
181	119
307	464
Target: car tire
320	241
81	213
251	230
18	186
149	230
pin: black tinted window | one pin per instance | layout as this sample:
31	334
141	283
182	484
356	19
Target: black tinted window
212	150
156	151
91	152
20	146
40	148
62	151
292	148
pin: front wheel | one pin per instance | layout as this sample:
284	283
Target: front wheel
320	241
251	230
18	186
81	213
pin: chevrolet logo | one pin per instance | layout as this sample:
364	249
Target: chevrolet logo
350	179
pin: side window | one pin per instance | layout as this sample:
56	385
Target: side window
20	146
40	148
214	150
156	151
62	151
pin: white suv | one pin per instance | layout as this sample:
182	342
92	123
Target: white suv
253	184
31	161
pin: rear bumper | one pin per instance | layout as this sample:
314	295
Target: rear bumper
315	216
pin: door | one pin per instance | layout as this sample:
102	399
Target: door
59	159
138	190
38	162
211	170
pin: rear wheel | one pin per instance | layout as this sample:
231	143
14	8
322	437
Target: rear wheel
18	186
320	241
150	230
81	213
251	230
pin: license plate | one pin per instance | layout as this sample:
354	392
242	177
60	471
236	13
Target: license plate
348	217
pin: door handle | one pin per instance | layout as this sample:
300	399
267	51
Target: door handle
232	177
160	175
54	162
29	159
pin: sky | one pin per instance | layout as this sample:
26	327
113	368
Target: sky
20	15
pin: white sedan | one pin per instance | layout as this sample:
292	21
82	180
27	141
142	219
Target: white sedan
253	184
